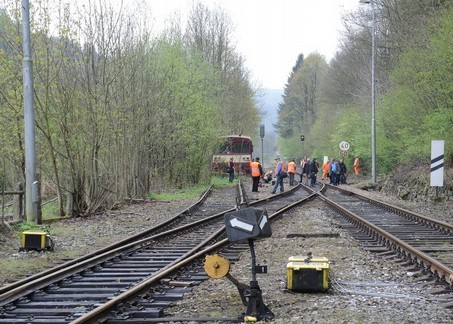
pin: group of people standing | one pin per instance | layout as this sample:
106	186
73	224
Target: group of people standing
335	171
309	171
278	174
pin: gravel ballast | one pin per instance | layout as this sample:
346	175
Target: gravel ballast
367	288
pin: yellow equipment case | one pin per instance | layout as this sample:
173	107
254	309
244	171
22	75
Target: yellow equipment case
308	274
36	240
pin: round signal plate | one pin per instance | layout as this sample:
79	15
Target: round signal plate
216	266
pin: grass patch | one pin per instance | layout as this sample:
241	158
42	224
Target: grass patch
50	210
223	182
15	267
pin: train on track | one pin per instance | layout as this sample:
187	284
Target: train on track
238	147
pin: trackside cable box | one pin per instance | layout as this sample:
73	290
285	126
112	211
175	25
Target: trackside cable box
308	274
36	240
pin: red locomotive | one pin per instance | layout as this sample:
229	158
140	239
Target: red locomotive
238	147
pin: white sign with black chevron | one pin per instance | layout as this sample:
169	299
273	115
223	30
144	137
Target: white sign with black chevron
437	163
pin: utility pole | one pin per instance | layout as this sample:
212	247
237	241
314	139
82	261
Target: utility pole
31	184
302	139
373	97
262	143
373	90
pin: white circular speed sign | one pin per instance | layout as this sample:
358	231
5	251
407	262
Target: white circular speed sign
344	146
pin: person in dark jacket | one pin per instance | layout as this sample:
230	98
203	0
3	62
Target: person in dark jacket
313	172
343	171
336	178
267	177
333	171
279	167
306	171
231	170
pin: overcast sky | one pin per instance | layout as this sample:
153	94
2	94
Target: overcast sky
270	34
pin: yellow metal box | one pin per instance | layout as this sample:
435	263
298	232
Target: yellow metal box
35	240
308	274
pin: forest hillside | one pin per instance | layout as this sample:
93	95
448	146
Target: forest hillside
122	111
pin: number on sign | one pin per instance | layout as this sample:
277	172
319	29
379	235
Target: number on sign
344	146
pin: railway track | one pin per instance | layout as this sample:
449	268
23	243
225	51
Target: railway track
76	286
136	279
96	286
425	242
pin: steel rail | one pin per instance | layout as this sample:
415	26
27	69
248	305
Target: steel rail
60	274
241	198
43	279
102	251
100	314
442	226
49	276
437	268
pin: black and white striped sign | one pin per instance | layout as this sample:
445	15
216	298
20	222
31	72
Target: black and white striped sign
437	163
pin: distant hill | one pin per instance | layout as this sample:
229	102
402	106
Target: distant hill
269	105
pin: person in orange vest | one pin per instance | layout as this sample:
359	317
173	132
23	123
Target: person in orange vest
291	172
257	172
279	168
325	170
356	165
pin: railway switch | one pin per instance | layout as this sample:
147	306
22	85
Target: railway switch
216	266
244	224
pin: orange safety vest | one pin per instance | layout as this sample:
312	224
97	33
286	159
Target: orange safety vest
292	167
326	167
255	169
356	165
